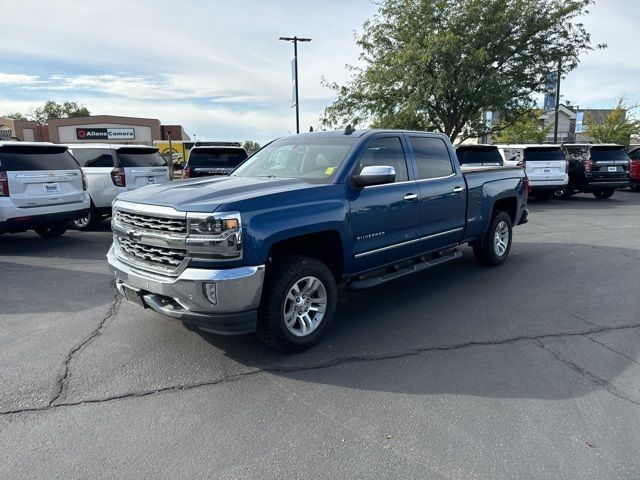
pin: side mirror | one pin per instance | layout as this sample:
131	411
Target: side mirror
374	175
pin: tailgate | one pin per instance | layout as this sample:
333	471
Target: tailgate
546	170
41	188
137	177
609	161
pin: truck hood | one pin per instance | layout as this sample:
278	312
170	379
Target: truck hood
207	194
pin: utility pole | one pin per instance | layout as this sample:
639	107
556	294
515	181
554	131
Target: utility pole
170	155
555	126
295	41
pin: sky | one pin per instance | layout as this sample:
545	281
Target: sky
217	68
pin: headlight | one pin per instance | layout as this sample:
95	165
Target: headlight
214	235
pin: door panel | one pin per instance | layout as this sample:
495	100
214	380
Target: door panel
443	195
383	221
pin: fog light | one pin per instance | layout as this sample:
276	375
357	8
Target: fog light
209	290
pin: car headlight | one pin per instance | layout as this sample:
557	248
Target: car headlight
214	235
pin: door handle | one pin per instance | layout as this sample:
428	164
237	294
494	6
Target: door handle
458	189
410	196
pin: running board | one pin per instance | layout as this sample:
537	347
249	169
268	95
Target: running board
419	265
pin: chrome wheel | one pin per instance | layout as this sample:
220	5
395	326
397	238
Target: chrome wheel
304	306
81	222
501	238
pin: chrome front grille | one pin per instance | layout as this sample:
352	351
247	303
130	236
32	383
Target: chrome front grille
166	258
151	223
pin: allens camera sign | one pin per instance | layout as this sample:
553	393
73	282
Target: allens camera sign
105	134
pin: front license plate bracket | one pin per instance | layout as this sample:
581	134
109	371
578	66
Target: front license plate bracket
133	295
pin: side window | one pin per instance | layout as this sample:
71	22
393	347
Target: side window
432	157
88	157
385	151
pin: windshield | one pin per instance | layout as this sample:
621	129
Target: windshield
533	154
28	158
312	158
217	157
140	157
479	155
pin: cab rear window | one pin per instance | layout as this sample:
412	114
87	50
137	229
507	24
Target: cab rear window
608	154
140	157
479	156
15	158
543	154
217	157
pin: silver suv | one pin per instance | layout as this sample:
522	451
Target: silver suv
41	188
113	169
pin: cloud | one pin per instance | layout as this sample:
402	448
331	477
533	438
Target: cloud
19	79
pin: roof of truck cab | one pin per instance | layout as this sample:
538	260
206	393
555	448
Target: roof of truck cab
364	132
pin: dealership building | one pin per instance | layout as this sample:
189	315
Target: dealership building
97	128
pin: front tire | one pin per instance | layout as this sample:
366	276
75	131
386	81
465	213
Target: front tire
298	303
603	194
496	244
53	230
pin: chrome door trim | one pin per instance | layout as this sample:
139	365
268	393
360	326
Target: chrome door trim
408	242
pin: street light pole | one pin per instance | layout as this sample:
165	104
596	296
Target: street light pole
295	41
555	126
170	154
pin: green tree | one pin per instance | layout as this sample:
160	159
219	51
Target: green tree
250	146
16	116
615	127
439	64
51	110
527	128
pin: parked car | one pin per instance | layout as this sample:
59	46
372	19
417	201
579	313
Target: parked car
213	160
41	188
596	168
634	167
113	169
263	248
546	167
479	155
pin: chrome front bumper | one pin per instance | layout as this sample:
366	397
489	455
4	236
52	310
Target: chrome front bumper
238	292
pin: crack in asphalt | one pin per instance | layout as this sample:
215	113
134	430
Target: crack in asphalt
61	383
331	363
602	249
631	359
586	373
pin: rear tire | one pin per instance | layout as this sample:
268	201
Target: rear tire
603	194
298	303
496	244
53	230
87	223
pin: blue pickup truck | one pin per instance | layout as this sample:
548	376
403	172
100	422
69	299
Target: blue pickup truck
264	249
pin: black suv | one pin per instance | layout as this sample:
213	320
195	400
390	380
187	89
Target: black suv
596	169
213	160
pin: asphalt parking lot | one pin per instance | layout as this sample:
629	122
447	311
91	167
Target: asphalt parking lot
529	370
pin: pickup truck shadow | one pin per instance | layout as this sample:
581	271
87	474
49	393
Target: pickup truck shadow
464	329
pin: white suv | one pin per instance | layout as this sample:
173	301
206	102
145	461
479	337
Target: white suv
546	167
41	188
113	169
